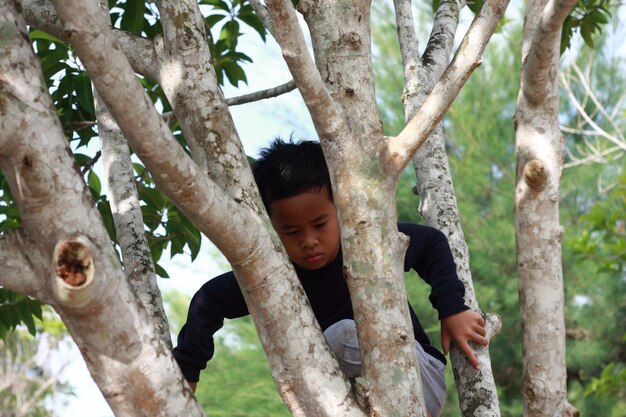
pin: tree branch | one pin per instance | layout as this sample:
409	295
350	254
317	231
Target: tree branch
266	276
190	83
441	40
326	115
21	265
537	71
140	51
617	141
249	98
466	59
263	14
408	46
263	94
126	211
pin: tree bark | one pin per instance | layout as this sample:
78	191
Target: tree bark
304	369
539	149
476	389
126	211
79	270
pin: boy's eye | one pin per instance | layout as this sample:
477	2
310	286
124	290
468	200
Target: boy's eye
291	232
320	225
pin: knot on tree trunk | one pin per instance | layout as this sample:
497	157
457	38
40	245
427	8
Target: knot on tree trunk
535	175
73	265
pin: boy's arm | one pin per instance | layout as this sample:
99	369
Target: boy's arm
462	328
430	256
216	300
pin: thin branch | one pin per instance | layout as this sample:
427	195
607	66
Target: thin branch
40	14
584	81
599	158
325	114
441	40
263	94
248	98
128	219
616	141
18	273
91	163
408	43
466	59
263	14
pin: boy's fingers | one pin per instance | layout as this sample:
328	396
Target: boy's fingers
469	352
445	342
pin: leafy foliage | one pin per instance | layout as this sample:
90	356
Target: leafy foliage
28	382
231	15
70	89
16	309
588	17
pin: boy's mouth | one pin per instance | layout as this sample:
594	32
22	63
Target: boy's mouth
316	257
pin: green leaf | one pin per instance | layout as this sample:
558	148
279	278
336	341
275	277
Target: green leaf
160	271
133	17
107	217
586	31
30	323
37	34
84	95
598	17
254	22
156	248
234	72
218	4
475	5
153	197
151	216
230	34
94	184
212	19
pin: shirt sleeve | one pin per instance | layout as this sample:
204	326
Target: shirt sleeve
430	256
216	300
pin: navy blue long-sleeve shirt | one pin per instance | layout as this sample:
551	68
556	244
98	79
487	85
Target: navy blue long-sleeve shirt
221	298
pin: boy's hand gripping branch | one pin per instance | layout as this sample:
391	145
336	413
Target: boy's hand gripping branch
462	328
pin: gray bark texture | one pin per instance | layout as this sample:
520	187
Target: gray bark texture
128	220
539	149
476	388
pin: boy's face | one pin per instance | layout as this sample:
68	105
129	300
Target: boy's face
307	225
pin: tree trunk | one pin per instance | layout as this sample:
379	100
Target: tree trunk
539	149
476	388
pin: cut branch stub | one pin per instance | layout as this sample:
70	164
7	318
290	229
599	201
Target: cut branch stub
74	270
535	175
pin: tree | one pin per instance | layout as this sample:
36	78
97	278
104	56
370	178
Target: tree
539	149
26	384
88	282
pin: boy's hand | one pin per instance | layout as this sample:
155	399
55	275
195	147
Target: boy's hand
462	328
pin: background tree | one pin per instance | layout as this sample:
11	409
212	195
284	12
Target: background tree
28	387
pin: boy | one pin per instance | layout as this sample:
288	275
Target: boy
295	187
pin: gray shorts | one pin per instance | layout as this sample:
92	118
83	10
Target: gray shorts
342	339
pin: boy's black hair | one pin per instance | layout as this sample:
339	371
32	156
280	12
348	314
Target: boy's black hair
285	169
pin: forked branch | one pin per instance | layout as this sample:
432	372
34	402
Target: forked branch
326	115
466	59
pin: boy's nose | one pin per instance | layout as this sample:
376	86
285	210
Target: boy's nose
309	241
